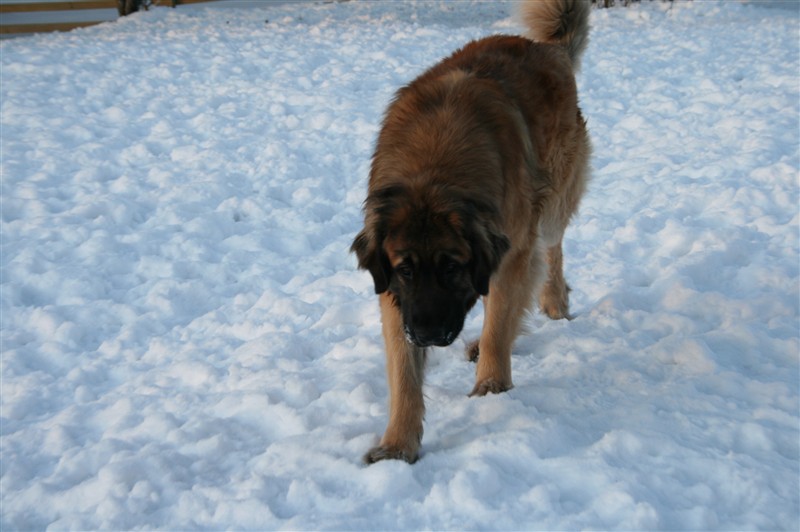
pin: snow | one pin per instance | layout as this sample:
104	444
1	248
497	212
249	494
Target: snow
187	344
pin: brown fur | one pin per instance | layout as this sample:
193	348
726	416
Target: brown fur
478	168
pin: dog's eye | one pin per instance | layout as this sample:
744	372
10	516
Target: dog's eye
405	271
450	266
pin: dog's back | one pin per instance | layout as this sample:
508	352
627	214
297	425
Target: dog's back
520	87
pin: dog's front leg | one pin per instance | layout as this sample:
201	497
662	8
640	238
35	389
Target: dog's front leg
405	364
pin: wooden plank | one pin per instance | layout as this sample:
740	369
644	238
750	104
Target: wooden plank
57	6
43	27
184	2
62	6
31	7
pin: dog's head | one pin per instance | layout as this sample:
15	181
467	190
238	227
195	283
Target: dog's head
434	254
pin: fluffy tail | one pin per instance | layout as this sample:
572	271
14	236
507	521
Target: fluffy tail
564	22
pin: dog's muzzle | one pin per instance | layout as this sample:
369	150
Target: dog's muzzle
427	337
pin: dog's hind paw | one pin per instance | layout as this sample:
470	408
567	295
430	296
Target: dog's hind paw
473	351
381	452
554	301
490	386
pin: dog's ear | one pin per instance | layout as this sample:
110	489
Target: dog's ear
488	248
372	258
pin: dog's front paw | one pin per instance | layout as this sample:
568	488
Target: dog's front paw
385	452
490	386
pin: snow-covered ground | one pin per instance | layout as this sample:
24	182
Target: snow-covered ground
187	344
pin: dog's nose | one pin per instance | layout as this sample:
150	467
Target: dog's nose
429	336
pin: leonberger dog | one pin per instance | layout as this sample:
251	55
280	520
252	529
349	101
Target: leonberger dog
479	166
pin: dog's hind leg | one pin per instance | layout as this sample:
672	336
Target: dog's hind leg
510	296
554	298
405	365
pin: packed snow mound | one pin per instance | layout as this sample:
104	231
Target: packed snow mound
187	344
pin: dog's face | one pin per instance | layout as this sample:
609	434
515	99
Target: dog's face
431	280
435	263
